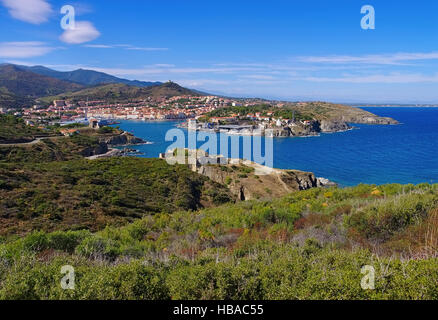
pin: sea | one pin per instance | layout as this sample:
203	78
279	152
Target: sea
370	154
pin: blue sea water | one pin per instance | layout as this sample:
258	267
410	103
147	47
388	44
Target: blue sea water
372	154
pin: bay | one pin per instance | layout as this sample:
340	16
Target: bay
372	154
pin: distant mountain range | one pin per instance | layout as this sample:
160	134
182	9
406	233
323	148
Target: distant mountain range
86	77
32	85
21	85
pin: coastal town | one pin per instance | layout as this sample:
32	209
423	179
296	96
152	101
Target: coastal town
190	110
178	107
197	112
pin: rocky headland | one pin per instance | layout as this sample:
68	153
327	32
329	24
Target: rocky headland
123	139
105	147
248	180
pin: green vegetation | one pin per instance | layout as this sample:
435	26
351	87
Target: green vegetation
301	111
286	113
141	229
52	149
106	130
28	84
307	245
14	129
10	100
80	194
74	125
123	92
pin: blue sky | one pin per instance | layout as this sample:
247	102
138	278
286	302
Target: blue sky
295	50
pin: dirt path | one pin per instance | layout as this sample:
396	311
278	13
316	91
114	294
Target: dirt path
37	140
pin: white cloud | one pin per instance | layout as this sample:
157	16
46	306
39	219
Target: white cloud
84	31
384	59
24	49
164	65
124	46
380	78
32	11
167	69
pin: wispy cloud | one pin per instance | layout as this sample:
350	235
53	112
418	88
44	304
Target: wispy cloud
124	46
84	31
147	49
81	8
258	77
24	49
333	69
380	59
32	11
98	46
379	78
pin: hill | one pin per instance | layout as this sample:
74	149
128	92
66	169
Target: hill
122	92
339	112
86	77
321	111
28	84
13	130
49	185
10	100
308	245
91	194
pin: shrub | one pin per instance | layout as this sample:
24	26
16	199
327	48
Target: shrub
98	248
384	218
67	241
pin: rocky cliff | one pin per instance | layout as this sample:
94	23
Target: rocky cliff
249	181
333	126
312	128
101	148
121	139
369	119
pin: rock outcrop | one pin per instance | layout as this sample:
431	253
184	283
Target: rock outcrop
121	139
333	126
369	119
101	148
281	132
248	180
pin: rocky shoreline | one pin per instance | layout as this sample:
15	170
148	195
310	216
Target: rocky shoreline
298	129
124	139
106	149
248	180
244	180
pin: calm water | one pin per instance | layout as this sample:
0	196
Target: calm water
407	153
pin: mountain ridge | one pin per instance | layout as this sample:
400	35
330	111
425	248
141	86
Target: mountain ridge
28	84
123	92
85	76
23	86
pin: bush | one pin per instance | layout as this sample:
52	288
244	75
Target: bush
384	218
96	247
67	241
36	241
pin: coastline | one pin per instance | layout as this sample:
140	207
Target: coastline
370	154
